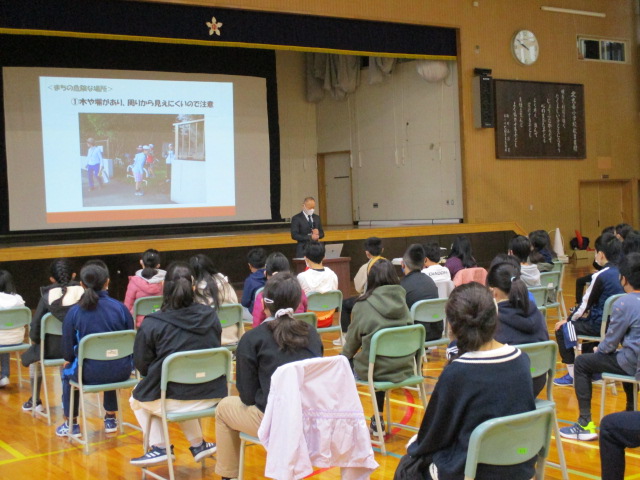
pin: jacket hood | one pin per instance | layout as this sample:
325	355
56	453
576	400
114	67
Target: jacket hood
10	300
195	318
318	280
147	288
157	278
517	318
390	301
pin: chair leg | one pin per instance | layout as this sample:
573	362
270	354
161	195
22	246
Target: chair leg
379	433
19	367
119	413
167	444
602	397
84	430
563	464
387	403
34	387
243	444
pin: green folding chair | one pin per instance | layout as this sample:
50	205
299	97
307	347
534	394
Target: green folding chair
511	440
432	311
540	296
606	314
12	318
49	325
230	316
623	379
191	367
101	346
555	299
395	342
146	305
307	317
543	362
324	302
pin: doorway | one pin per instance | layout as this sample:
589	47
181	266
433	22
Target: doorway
604	203
334	188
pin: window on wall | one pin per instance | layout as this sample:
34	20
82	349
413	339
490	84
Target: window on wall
602	50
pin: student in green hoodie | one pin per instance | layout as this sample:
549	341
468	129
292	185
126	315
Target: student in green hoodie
383	305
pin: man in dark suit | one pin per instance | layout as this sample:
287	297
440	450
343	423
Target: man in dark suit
306	226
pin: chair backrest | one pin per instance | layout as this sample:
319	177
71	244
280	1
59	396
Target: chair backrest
106	346
543	361
398	342
429	311
230	314
323	302
539	295
147	305
606	312
196	366
307	317
550	280
50	325
15	317
510	440
558	266
445	287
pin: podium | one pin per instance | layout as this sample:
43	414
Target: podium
340	265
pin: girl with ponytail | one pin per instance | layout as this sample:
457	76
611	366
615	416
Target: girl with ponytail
279	340
147	282
182	324
488	380
96	312
57	298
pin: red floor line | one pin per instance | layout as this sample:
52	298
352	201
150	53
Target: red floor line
409	413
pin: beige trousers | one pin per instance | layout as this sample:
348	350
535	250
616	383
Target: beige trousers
232	418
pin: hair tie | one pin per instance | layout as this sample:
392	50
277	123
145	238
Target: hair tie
284	312
267	300
512	279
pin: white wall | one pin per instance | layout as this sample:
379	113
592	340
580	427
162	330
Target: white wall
404	136
298	141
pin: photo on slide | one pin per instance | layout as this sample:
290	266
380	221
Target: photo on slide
126	159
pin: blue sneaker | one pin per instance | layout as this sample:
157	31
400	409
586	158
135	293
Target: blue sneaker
110	425
578	432
63	430
566	381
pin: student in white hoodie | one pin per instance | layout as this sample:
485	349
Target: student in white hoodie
8	299
317	277
520	247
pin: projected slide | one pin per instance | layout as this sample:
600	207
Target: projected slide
131	149
102	148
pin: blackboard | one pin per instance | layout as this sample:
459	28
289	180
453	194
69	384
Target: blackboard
539	120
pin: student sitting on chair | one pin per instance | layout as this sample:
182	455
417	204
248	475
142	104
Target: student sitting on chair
383	305
276	263
588	318
520	247
212	287
460	256
487	380
624	329
255	281
419	286
8	299
318	278
542	254
279	340
181	325
96	312
147	282
432	267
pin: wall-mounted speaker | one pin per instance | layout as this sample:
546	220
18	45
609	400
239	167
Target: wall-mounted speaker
483	102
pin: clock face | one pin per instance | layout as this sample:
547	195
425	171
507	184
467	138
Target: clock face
525	47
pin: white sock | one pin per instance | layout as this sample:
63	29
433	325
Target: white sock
570	369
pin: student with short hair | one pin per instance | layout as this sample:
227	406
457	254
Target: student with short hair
279	340
624	329
15	336
147	282
182	324
255	281
586	320
487	380
631	242
419	286
318	278
432	267
96	312
520	247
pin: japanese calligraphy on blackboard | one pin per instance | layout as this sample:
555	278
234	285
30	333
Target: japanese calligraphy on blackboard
539	120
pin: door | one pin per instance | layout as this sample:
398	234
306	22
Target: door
603	204
337	183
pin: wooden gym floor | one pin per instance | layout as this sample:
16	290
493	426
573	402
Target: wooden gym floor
29	446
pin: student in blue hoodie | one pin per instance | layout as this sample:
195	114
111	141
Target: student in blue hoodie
255	281
96	312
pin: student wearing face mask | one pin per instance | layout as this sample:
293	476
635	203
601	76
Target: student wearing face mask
587	319
306	226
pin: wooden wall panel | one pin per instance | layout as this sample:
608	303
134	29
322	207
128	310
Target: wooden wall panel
536	193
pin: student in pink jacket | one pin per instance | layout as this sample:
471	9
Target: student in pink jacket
147	282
